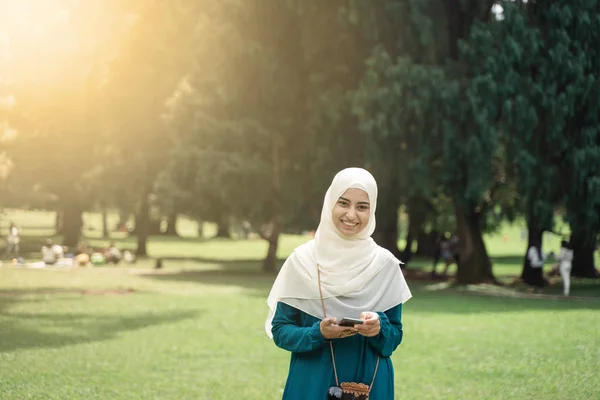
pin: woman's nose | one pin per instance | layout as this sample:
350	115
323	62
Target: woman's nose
351	213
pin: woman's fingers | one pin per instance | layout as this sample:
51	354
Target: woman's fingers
330	330
369	317
371	325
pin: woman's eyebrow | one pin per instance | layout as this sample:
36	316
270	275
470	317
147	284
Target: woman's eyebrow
360	202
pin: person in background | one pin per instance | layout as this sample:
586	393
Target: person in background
565	259
112	254
59	251
536	258
82	255
49	256
128	257
447	251
12	241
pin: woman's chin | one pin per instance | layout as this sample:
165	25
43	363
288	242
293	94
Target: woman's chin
348	232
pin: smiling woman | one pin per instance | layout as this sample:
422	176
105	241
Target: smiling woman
340	274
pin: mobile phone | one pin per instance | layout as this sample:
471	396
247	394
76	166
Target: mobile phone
350	321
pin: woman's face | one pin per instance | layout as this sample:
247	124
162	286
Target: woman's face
351	213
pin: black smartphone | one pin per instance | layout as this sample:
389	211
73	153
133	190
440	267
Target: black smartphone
350	321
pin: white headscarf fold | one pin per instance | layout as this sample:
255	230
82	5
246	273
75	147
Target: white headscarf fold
356	274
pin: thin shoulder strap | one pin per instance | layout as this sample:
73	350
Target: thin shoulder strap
337	382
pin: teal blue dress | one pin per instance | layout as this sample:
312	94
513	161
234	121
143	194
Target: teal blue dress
311	371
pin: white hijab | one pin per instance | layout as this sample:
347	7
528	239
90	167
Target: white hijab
356	274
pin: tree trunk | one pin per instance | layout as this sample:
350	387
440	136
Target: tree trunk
154	227
171	225
71	223
142	226
270	262
386	232
583	256
416	217
123	217
534	238
223	226
427	243
58	223
407	253
105	232
200	228
474	264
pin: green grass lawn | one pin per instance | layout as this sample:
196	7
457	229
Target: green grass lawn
194	330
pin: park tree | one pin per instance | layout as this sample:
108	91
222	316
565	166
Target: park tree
397	148
572	32
56	143
422	95
541	68
395	35
237	118
152	58
505	54
334	69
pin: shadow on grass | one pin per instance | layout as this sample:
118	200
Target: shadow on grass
513	260
232	274
247	274
224	261
53	330
460	300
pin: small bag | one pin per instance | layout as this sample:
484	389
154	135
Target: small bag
349	391
345	390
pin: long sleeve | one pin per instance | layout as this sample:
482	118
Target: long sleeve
390	334
288	335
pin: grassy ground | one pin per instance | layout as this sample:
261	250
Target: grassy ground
194	330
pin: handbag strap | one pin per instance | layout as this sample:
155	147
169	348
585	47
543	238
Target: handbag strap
330	342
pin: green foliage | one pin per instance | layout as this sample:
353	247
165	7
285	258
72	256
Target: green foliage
214	163
539	68
247	109
398	106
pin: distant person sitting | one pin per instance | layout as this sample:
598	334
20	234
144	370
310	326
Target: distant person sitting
49	256
82	260
128	257
59	251
82	255
112	254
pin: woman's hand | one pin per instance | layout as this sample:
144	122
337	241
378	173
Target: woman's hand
330	329
371	326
